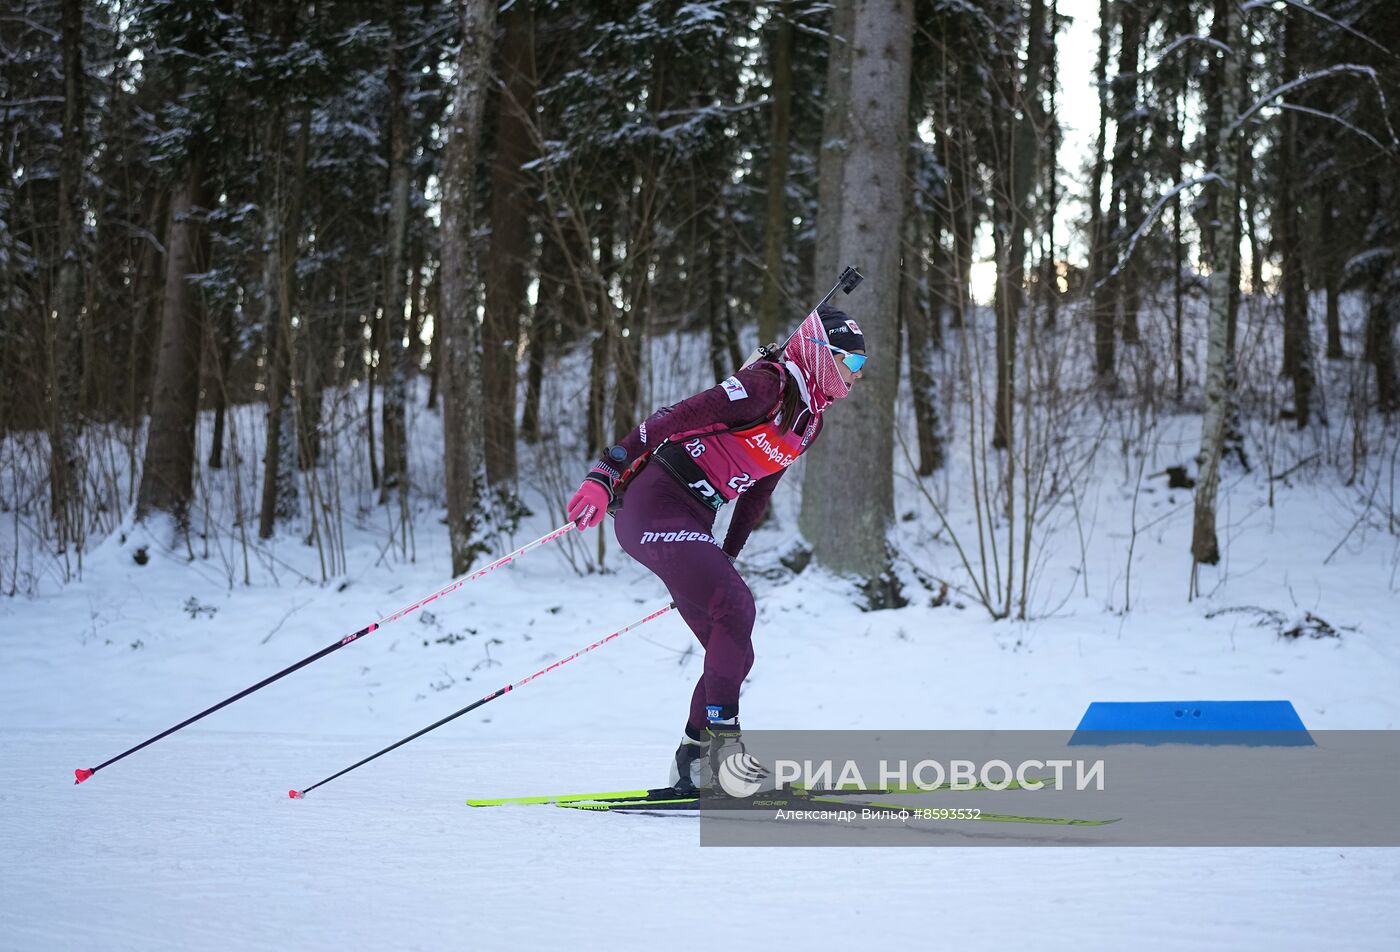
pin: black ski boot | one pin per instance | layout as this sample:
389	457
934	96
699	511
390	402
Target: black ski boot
690	767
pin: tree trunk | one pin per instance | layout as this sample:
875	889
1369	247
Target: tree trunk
281	453
600	349
1297	341
417	314
145	306
944	287
632	323
1105	342
941	276
629	325
1223	247
461	383
221	355
12	298
1127	188
376	348
1256	256
1243	168
1332	277
435	342
1178	247
510	243
278	354
166	475
857	444
834	147
1381	321
393	355
776	227
916	321
714	292
1020	176
545	321
65	380
965	214
310	368
1050	271
536	350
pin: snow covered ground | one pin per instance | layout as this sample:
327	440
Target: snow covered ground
200	848
194	842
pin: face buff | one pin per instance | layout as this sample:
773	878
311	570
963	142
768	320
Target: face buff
816	363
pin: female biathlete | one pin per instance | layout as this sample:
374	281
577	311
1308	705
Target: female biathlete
733	441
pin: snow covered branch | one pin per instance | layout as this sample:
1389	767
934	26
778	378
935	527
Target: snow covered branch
1148	222
1307	8
1353	68
1181	41
1321	114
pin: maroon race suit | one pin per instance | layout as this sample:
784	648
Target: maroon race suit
719	445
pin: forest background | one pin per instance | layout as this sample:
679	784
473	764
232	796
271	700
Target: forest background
1075	220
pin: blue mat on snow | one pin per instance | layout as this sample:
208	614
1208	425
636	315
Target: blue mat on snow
1250	723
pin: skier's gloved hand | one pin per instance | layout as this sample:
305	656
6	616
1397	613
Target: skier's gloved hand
589	505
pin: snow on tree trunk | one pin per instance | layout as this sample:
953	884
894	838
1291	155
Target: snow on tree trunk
461	379
847	529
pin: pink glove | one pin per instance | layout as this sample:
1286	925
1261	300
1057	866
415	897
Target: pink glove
589	505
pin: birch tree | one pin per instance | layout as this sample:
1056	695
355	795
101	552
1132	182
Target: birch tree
1205	547
461	342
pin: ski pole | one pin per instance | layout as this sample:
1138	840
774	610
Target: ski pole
298	794
82	774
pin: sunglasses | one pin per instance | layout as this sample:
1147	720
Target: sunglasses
855	363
